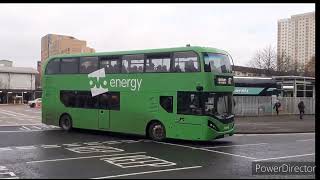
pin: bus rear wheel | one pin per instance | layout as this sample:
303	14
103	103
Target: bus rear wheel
157	131
66	122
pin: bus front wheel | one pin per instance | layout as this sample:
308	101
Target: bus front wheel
157	131
66	122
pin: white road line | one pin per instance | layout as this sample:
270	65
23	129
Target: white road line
36	127
285	157
282	134
30	130
306	140
5	149
50	146
25	147
7	113
12	112
237	145
148	172
206	150
26	128
20	125
85	157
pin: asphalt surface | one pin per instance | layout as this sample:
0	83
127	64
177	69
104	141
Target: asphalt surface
38	151
275	124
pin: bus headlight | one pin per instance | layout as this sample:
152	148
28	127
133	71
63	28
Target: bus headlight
229	80
212	125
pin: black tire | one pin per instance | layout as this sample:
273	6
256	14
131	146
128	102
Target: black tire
66	122
157	131
32	105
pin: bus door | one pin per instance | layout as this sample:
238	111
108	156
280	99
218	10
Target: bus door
104	112
109	102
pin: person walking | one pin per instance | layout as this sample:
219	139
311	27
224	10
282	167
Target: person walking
277	106
301	107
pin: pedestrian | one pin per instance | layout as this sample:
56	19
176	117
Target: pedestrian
276	106
301	109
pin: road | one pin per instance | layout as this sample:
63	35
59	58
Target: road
35	150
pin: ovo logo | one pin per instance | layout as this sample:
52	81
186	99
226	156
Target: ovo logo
98	82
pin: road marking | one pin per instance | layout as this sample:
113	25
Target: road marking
36	127
92	149
5	149
50	146
26	147
282	134
29	131
84	157
21	125
14	113
137	161
205	150
26	128
147	172
1	111
285	157
306	140
237	145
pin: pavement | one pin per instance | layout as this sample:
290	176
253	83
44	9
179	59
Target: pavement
275	124
30	149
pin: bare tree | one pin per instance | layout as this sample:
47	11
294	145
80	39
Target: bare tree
284	63
265	59
310	67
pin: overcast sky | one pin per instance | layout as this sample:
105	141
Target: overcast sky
240	29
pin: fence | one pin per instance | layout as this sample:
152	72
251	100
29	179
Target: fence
263	105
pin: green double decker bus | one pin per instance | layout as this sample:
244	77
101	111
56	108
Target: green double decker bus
181	93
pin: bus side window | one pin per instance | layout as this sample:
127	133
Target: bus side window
70	65
189	103
68	98
133	63
85	100
166	103
53	67
158	62
185	62
111	64
88	64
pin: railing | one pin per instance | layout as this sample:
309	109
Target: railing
263	105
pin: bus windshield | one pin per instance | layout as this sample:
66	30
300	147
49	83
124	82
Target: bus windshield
205	103
218	63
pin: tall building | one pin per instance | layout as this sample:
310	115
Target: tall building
296	40
53	44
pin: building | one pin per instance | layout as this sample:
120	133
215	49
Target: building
296	41
17	84
259	82
53	44
296	86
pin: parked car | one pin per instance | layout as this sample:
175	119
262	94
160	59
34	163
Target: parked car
33	103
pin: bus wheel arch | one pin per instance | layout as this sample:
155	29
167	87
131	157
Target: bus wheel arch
65	121
153	126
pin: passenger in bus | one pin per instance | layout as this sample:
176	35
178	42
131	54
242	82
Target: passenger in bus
159	68
164	68
177	68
